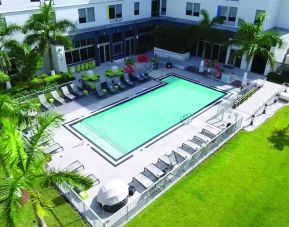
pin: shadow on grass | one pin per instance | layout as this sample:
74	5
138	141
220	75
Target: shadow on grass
58	201
280	138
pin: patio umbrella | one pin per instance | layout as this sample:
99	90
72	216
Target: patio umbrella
113	193
244	79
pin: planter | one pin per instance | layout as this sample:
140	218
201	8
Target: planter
165	53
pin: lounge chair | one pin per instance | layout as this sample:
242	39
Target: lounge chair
94	179
99	90
110	86
202	138
163	166
67	94
170	160
74	166
53	148
179	151
211	131
44	101
143	180
284	96
154	170
75	90
145	76
127	80
56	96
190	146
139	77
117	82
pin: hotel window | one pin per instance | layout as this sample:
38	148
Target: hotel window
115	12
229	14
164	7
193	9
136	8
83	51
86	15
258	12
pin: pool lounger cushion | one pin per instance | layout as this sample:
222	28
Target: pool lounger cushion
53	148
192	145
284	96
44	101
143	180
202	137
155	170
182	153
212	130
56	96
66	93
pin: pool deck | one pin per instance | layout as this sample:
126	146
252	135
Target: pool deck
76	149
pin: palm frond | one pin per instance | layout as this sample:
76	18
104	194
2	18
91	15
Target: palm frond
71	178
3	77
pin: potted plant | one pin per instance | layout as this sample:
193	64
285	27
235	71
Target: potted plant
155	62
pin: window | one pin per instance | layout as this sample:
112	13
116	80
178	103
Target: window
86	15
197	8
164	7
193	9
258	12
136	8
115	12
83	51
229	14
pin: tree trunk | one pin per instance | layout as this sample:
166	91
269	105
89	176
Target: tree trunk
51	67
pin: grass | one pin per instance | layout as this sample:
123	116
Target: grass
62	214
244	184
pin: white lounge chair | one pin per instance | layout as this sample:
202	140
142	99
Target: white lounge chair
284	96
202	137
143	180
44	101
53	148
67	94
74	166
191	145
154	170
179	151
211	131
56	96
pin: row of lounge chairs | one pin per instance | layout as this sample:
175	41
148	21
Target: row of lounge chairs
154	171
113	85
66	94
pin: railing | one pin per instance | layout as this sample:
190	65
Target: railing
134	207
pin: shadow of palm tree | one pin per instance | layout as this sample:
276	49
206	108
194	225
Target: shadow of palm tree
280	138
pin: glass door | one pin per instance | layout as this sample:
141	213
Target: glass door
129	46
104	53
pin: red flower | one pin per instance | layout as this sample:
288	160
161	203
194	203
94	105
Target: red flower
129	69
142	58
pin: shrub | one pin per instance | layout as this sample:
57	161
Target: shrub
69	69
86	67
82	67
278	77
85	77
77	68
95	77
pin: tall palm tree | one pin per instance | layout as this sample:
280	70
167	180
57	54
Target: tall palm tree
5	32
251	39
23	164
206	30
43	30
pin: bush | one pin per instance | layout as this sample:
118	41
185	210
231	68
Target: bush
77	68
82	67
278	77
86	67
69	69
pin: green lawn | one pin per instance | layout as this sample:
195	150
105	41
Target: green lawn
245	184
61	215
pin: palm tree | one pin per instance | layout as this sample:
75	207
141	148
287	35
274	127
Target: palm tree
206	30
5	33
251	39
43	30
27	59
23	164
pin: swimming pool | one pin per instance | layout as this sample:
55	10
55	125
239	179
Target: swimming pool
121	129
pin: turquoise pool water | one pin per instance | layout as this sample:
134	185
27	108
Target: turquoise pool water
123	128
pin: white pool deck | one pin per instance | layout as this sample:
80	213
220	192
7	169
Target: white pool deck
75	149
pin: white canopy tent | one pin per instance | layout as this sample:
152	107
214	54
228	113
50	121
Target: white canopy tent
113	195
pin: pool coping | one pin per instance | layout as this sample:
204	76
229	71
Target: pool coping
148	143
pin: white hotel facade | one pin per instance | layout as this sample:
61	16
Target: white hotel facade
113	29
